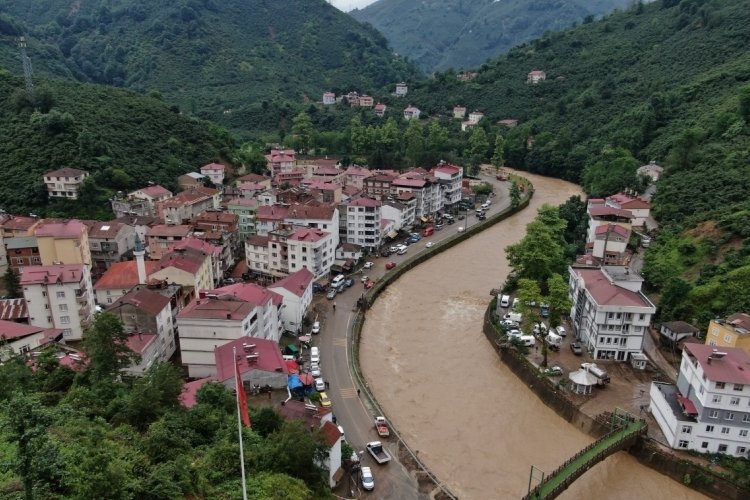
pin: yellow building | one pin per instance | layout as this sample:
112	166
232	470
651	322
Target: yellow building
731	332
63	242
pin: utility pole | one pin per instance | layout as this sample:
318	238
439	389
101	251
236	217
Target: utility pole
26	69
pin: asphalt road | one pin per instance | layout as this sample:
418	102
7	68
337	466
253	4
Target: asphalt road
352	410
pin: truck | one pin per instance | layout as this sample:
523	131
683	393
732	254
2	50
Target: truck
377	451
601	375
554	341
382	427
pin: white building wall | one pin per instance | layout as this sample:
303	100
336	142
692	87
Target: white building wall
56	305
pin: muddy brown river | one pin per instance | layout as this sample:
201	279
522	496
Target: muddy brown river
474	423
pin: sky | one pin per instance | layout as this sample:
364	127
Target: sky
347	5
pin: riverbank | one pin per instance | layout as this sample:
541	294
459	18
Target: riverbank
645	450
427	480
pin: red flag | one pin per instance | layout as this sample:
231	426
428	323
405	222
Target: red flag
241	395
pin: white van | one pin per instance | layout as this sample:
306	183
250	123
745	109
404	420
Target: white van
314	355
527	340
505	301
338	281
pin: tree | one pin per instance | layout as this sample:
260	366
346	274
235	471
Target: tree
612	172
276	486
478	146
437	141
745	103
515	195
414	143
251	157
303	131
529	297
154	394
12	283
557	298
538	255
357	136
498	157
106	346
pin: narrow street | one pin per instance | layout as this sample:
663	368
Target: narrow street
351	408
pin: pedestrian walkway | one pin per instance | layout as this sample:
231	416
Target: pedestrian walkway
348	392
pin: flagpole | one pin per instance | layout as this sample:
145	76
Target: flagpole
239	422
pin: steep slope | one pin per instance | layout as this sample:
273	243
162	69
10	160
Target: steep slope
125	140
460	34
207	56
665	82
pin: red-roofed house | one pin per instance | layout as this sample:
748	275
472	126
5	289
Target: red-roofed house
602	214
536	76
14	310
259	362
289	249
189	396
110	242
296	291
706	410
119	279
147	316
65	182
450	177
321	419
218	262
329	98
280	160
220	316
214	171
355	176
268	218
610	245
193	269
459	112
59	296
162	237
377	186
411	113
65	242
185	205
19	338
141	202
380	109
638	207
610	314
425	187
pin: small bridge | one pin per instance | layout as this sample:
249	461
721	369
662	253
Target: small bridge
625	430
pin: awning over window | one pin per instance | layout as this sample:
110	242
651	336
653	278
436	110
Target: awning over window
687	405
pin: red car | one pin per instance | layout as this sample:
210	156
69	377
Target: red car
390	265
369	284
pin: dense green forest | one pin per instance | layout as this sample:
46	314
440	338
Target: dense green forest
461	34
124	139
666	81
209	57
86	433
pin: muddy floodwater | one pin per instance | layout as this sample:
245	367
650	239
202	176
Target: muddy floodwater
474	423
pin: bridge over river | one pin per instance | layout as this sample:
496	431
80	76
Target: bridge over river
625	430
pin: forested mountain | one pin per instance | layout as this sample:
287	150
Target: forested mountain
667	81
207	56
122	138
460	34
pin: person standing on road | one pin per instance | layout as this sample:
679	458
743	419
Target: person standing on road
334	307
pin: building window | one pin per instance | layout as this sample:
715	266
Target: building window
701	390
709	428
729	415
65	320
60	295
746	419
743	433
738	387
714	414
741	450
722	448
682	444
704	444
686	429
734	401
720	385
716	399
63	307
67	332
725	430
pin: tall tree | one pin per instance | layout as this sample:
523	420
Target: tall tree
357	136
303	131
498	157
414	143
515	195
12	283
557	298
540	253
745	103
106	346
478	146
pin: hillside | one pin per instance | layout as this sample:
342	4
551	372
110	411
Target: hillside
667	82
206	56
459	34
124	139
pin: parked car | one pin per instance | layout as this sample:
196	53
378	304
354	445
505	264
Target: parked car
402	249
315	370
481	216
394	249
368	481
439	226
316	327
368	265
318	288
348	282
230	281
365	279
544	310
331	294
324	400
451	221
576	348
390	265
385	252
320	385
553	371
561	331
430	244
460	229
369	285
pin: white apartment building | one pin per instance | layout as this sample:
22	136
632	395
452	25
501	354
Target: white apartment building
610	244
363	226
450	178
219	316
65	182
324	217
610	314
59	296
709	409
215	172
401	214
296	292
601	214
287	249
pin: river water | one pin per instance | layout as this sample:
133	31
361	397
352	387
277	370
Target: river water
476	426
